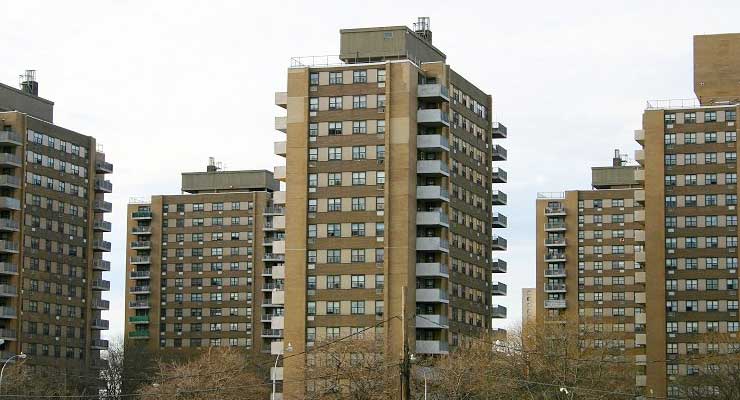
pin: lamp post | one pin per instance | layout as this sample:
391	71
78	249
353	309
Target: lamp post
20	356
274	370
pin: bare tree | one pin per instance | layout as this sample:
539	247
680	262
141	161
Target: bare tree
714	374
21	379
222	373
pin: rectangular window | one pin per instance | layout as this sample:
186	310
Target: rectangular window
334	204
335	103
313	79
359	101
359	76
358	204
335	153
359	127
335	179
334	230
335	78
358	307
335	128
380	126
358	178
710	137
359	152
333	256
689	138
710	116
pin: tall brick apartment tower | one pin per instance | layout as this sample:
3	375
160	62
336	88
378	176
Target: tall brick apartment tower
52	208
389	175
204	268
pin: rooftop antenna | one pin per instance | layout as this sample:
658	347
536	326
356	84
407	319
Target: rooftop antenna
423	28
28	82
213	166
619	158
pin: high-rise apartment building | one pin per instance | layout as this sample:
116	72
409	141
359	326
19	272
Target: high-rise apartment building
204	267
389	204
52	208
652	250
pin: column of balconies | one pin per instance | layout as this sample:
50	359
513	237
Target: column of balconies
10	205
100	226
499	221
555	245
273	276
140	273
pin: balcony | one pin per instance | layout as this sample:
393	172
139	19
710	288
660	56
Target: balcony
8	225
9	203
432	193
432	269
274	210
640	157
140	260
7	334
499	220
432	218
272	333
140	290
280	173
139	305
138	335
498	153
281	124
555	210
141	245
640	256
138	319
139	274
555	257
555	273
8	291
639	236
498	289
498	131
100	324
432	244
555	242
555	303
281	99
10	181
141	215
640	196
99	344
433	92
431	321
142	230
555	288
273	257
102	226
555	227
640	216
9	160
498	243
10	138
102	167
432	167
103	206
7	268
100	285
432	143
640	136
103	186
498	266
432	347
8	247
101	245
498	175
7	313
270	286
640	175
100	304
498	198
498	311
432	295
432	117
101	265
280	148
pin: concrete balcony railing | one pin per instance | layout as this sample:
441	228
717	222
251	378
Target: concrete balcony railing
432	167
102	226
274	210
640	156
432	193
432	117
141	245
9	225
281	124
9	160
554	210
138	260
498	175
498	266
640	136
101	265
432	244
555	287
499	220
280	148
640	175
10	181
99	344
432	269
9	203
102	167
498	289
555	273
139	304
7	246
140	274
498	153
432	143
10	138
555	257
7	268
639	235
432	295
142	230
280	173
431	321
141	215
100	324
555	304
103	186
435	218
140	290
100	304
640	196
498	311
8	291
273	257
640	256
498	243
640	216
7	313
432	347
498	198
555	226
103	206
435	92
555	242
498	131
101	245
281	99
272	333
100	285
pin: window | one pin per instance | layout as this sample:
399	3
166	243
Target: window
709	200
335	179
670	180
357	307
313	79
333	282
335	78
335	153
313	129
710	158
335	128
671	201
380	203
689	118
689	138
359	153
333	256
731	178
730	157
359	76
358	204
711	220
380	177
731	199
690	201
692	284
669	118
670	159
710	137
358	281
712	242
380	152
335	103
333	230
358	229
381	100
358	178
313	104
730	115
710	116
381	73
380	229
731	220
312	230
669	138
691	242
359	101
380	126
690	180
358	255
313	154
359	127
334	204
313	180
333	308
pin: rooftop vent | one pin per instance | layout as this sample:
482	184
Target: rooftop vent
29	83
423	28
213	166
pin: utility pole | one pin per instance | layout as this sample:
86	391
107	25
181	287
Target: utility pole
406	363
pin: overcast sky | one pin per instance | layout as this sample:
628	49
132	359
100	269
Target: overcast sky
163	85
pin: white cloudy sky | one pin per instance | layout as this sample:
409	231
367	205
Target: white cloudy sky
569	79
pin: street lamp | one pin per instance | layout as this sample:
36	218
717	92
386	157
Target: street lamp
20	356
288	349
